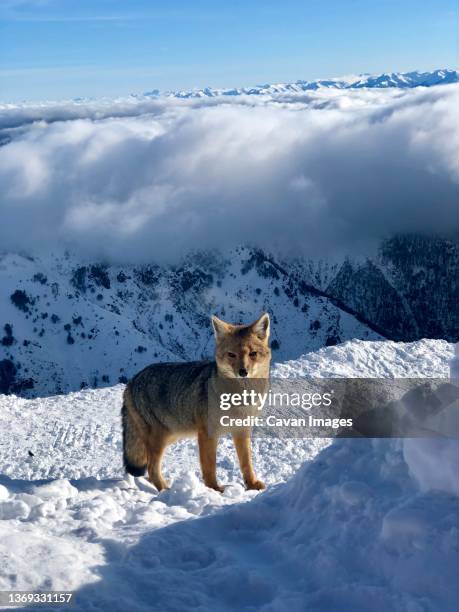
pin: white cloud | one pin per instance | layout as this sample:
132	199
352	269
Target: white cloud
145	179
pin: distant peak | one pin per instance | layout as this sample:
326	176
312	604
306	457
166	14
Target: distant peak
385	80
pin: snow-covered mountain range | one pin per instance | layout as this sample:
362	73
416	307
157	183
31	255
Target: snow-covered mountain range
404	80
68	324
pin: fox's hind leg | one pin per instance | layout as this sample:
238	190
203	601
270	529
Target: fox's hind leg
134	434
157	442
244	453
208	459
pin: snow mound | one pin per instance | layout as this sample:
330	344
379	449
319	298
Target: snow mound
356	358
434	464
331	539
350	531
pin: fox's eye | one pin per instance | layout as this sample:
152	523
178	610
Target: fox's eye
232	355
253	354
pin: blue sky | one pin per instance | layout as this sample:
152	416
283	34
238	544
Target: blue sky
67	48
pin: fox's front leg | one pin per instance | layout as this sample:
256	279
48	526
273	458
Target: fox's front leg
208	459
244	453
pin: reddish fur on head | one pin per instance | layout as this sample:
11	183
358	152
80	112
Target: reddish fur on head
242	349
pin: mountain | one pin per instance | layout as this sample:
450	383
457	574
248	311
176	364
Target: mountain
69	324
404	80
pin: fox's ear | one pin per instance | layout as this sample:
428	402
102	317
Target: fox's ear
220	327
261	327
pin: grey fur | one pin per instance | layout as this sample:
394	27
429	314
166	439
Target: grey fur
173	394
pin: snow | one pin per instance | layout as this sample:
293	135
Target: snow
353	525
434	464
374	359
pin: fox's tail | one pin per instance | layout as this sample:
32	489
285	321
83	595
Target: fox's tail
134	451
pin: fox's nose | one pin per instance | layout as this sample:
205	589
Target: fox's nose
243	372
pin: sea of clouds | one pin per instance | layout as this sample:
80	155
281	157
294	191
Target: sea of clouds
141	179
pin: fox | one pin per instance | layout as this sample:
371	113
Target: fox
166	402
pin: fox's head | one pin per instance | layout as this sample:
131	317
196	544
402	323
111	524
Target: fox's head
242	351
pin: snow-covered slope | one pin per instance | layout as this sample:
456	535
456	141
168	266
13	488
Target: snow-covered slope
68	324
425	358
362	525
94	325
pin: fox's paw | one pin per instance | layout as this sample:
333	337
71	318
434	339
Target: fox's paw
256	485
216	487
161	485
